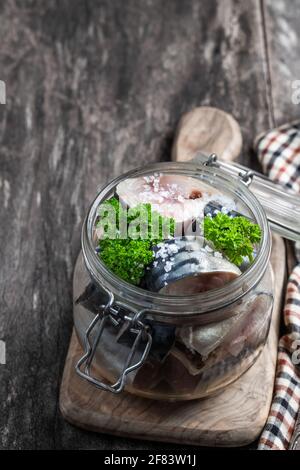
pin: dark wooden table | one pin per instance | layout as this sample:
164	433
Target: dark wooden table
95	88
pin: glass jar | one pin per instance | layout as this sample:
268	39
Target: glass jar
171	347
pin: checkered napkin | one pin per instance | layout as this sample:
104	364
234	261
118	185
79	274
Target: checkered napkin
279	153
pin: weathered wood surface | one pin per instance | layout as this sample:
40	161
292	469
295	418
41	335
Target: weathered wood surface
282	38
95	88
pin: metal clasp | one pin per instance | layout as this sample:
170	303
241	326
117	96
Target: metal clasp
246	176
234	169
110	313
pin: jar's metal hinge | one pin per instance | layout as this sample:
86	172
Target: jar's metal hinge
110	313
245	175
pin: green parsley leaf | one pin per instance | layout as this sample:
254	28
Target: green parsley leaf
129	257
235	237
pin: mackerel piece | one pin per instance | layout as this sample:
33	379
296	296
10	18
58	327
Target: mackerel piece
185	266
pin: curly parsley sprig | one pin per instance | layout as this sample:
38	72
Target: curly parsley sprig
235	237
128	257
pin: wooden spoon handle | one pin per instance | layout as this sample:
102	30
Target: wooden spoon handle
209	130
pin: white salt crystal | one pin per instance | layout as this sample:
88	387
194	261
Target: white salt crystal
168	266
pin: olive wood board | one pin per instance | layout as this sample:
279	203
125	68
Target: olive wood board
234	417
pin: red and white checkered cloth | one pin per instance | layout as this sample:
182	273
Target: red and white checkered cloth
279	153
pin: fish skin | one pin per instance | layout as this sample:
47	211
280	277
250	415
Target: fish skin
246	328
205	339
191	260
163	337
92	297
213	207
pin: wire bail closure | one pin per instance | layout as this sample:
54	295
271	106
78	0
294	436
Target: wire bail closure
110	312
246	176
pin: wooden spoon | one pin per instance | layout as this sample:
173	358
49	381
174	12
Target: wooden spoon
209	130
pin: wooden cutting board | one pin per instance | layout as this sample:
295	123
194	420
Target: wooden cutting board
234	417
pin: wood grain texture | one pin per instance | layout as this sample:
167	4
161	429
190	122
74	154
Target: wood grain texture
282	39
95	88
232	418
208	130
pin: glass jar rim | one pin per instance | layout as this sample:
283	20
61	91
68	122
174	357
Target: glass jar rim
171	305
